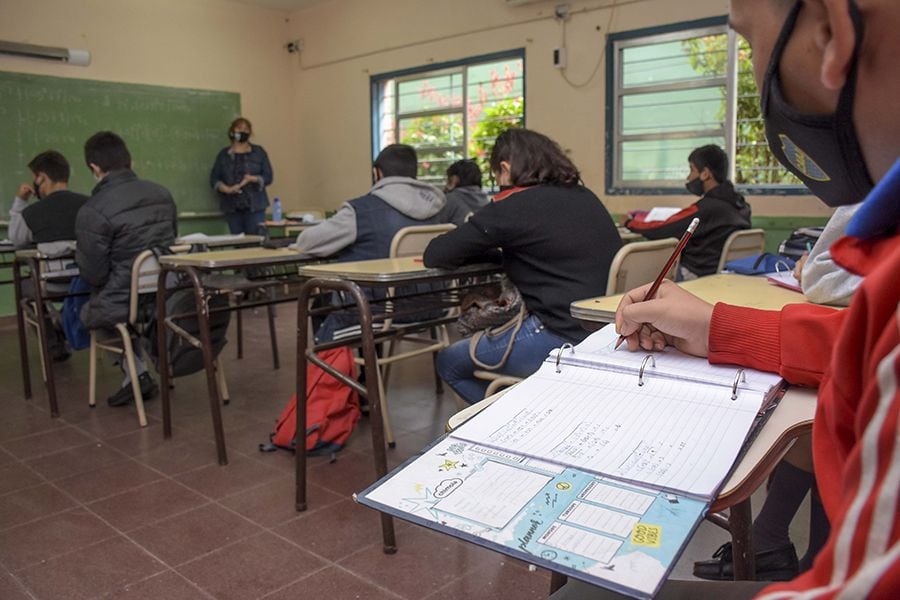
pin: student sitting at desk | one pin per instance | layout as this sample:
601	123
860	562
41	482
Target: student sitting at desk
721	211
48	222
463	191
557	241
364	227
124	216
827	91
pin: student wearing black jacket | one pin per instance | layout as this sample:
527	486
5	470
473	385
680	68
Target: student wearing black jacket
557	241
721	211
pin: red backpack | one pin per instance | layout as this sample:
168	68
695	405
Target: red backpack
332	408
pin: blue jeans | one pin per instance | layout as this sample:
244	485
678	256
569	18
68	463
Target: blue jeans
245	222
532	345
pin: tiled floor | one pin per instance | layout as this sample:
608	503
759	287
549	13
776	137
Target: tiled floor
93	506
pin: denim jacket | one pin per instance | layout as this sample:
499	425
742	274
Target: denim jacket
253	197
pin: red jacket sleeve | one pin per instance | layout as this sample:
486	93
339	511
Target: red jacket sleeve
795	342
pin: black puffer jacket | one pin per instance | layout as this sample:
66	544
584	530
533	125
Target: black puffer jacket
123	217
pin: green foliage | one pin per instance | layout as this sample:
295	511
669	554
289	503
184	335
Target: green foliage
495	119
753	161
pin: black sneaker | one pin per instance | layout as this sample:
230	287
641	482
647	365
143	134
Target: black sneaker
778	564
125	396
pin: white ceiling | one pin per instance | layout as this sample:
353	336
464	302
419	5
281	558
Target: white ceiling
284	4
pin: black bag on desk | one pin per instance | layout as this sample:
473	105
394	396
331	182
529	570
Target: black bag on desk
185	358
799	242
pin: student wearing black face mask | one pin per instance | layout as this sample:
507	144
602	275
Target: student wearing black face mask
240	176
721	211
829	79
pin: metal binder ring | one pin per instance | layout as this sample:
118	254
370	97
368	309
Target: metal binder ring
643	366
739	377
559	354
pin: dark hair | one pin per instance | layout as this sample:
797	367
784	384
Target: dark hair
533	159
713	158
467	170
52	164
108	151
397	160
240	121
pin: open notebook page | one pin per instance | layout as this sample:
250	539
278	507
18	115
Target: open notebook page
598	351
675	435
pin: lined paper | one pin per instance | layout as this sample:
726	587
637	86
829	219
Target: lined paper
670	434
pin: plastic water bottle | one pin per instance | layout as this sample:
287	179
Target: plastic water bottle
276	210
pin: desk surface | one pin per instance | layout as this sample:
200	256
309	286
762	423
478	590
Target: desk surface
741	290
223	259
216	241
793	414
389	270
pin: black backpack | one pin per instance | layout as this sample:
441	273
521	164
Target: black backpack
800	241
184	358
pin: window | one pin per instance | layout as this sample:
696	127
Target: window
677	88
451	111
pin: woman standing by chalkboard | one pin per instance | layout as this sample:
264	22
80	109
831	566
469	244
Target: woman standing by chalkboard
240	176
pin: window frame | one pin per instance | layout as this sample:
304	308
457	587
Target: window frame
412	73
616	42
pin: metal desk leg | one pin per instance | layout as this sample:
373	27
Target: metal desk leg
304	355
23	334
740	522
39	309
270	312
557	580
240	326
162	331
209	366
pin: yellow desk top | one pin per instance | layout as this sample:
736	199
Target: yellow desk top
740	290
793	414
389	270
223	259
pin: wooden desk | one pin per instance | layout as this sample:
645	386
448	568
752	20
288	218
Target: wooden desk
193	265
31	260
348	278
629	236
220	241
740	290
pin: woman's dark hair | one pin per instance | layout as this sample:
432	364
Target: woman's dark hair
240	121
52	164
713	158
108	151
468	172
533	159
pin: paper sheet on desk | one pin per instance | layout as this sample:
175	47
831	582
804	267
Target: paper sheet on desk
204	238
785	279
660	213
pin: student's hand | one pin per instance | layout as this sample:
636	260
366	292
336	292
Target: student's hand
25	191
798	268
673	317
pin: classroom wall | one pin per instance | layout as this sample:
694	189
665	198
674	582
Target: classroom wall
346	41
205	44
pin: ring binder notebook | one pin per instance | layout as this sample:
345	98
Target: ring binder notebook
580	470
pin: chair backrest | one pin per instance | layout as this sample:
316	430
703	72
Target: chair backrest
746	242
412	240
144	277
638	263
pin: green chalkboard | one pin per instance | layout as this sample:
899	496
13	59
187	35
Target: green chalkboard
173	133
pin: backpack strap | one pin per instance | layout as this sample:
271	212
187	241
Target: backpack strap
515	324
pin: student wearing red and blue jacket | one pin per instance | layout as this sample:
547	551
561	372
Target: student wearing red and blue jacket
721	211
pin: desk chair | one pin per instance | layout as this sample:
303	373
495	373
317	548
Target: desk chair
410	241
638	263
746	242
144	273
52	278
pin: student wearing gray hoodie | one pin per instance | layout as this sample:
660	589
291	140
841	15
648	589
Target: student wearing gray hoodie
464	193
363	228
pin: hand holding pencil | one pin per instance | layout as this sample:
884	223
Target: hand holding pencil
661	313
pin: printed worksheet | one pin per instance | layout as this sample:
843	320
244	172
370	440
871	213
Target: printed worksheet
609	533
670	434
